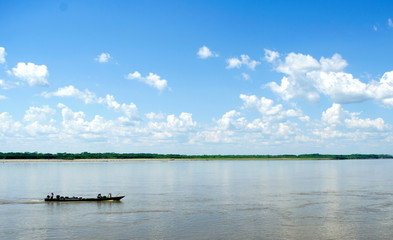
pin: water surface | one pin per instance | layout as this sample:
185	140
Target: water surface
294	199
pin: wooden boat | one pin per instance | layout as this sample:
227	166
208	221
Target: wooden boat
80	199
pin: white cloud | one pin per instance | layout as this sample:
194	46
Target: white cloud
129	110
71	91
74	124
356	122
295	64
268	110
34	75
2	97
173	123
204	52
135	75
8	126
336	116
244	60
270	55
35	129
346	127
234	128
245	76
308	78
388	102
390	23
155	116
171	127
152	80
40	121
3	84
103	58
228	121
341	87
375	28
2	55
234	63
8	84
224	131
334	64
274	126
39	114
383	89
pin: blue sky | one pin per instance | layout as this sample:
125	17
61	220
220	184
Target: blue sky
196	77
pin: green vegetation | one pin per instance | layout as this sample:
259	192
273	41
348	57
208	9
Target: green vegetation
87	155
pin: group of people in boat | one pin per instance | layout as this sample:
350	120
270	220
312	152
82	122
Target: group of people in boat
66	197
100	196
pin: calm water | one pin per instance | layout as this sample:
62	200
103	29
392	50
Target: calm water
200	200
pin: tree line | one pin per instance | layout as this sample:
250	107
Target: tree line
87	155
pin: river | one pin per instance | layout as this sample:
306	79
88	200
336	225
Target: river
237	199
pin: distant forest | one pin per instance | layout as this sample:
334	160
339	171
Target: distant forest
87	155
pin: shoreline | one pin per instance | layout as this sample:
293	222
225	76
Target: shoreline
171	159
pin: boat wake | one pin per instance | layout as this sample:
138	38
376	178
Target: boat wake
4	202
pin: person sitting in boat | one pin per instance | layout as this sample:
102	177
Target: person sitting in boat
51	196
99	195
110	195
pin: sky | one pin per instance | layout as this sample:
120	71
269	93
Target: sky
196	77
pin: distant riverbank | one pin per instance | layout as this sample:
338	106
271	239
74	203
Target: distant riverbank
169	160
105	157
148	159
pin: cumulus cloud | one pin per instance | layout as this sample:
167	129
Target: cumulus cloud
40	120
341	87
75	124
244	60
173	123
71	91
338	123
234	63
229	120
8	126
296	64
152	80
169	127
270	55
337	116
39	114
129	110
103	58
204	52
308	78
268	110
234	127
2	55
334	64
34	75
224	131
275	124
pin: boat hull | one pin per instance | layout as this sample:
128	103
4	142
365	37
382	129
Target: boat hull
84	199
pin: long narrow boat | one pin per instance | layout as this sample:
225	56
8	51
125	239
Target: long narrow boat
80	199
